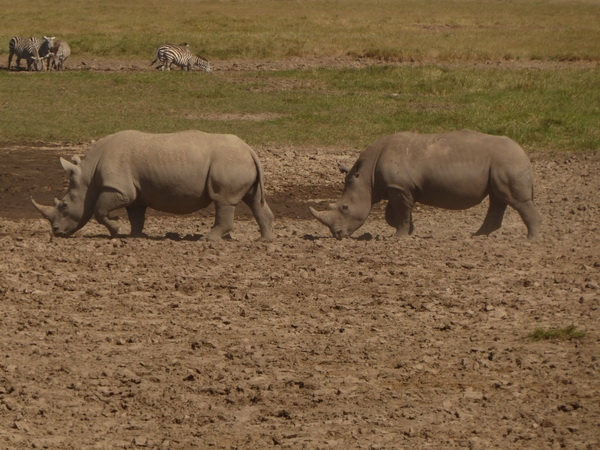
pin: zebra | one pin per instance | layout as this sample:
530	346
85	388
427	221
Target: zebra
181	56
59	53
46	49
25	48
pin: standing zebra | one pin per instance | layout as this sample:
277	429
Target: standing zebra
59	53
25	48
181	56
46	49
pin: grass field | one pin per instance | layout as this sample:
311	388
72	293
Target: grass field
553	106
443	30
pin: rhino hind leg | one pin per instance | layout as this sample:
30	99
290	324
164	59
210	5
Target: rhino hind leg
107	202
262	213
224	214
494	216
531	217
137	218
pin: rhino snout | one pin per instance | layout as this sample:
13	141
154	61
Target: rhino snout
58	233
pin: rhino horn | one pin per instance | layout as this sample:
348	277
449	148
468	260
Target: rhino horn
322	217
46	211
343	168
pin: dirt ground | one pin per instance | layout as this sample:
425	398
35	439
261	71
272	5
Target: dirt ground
307	342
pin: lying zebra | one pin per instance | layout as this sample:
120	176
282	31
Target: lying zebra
181	56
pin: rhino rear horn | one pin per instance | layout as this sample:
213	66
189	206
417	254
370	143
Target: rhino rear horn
343	168
46	211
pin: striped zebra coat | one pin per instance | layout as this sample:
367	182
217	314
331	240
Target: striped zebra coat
58	55
46	49
181	56
25	48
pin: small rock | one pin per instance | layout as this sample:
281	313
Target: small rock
140	441
472	394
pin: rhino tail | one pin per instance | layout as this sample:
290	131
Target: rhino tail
259	177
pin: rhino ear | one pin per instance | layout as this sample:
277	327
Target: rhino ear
73	169
76	159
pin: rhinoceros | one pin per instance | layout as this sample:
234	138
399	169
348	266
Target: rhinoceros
454	170
176	173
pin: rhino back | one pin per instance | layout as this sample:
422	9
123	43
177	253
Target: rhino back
448	170
169	172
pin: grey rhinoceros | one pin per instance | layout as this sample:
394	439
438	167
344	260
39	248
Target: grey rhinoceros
454	170
176	173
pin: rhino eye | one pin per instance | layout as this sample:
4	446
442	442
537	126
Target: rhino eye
345	208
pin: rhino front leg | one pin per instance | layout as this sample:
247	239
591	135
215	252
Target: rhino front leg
107	202
223	221
137	218
398	212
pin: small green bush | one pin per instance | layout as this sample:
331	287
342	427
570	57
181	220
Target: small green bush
563	334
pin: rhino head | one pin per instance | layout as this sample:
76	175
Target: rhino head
69	214
352	209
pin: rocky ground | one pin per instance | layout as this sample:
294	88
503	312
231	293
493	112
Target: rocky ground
173	342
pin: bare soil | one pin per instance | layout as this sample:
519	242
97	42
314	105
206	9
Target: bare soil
173	342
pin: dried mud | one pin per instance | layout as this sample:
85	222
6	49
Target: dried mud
307	342
173	342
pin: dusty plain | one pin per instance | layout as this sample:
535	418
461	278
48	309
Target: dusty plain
307	342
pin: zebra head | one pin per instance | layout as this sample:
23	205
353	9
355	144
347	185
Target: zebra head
49	41
37	62
202	63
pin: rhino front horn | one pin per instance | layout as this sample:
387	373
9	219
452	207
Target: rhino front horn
320	216
46	211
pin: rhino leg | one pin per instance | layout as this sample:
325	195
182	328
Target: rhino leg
398	212
494	216
107	202
137	218
531	217
223	221
262	213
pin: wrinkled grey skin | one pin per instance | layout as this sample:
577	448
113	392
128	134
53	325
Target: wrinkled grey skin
177	173
454	170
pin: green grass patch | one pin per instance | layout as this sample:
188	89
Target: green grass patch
553	334
540	109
